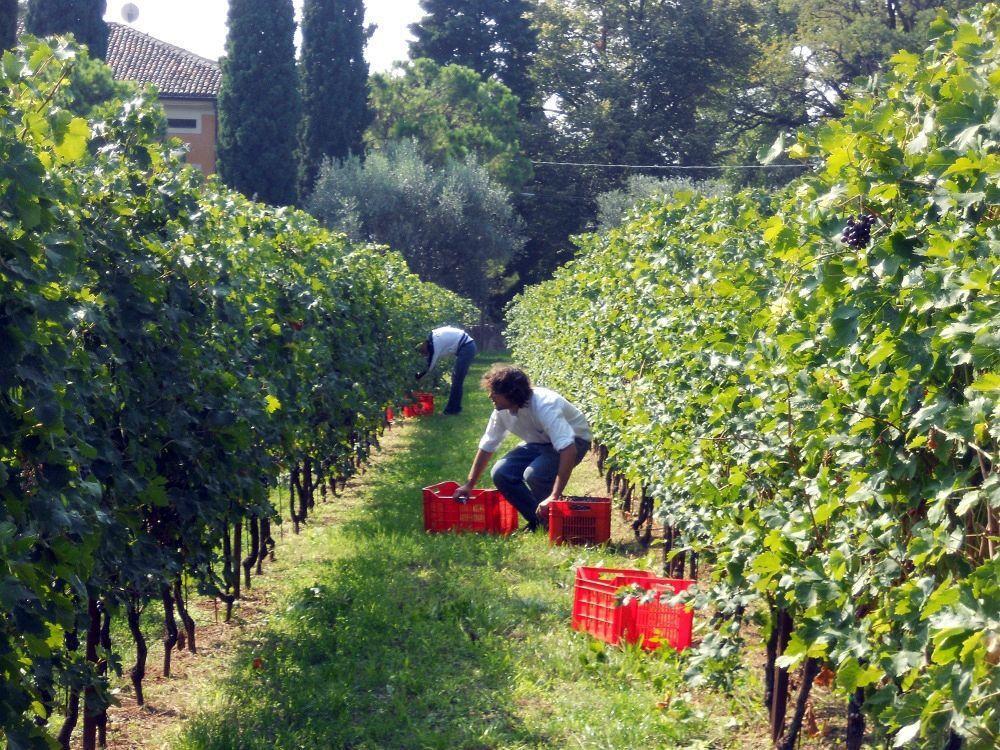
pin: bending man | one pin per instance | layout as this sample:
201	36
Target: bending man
445	341
556	438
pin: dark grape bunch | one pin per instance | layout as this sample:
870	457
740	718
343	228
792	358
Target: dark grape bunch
858	232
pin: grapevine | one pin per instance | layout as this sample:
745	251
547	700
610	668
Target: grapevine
172	351
820	426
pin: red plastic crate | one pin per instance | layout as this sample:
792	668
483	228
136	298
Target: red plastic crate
580	520
596	609
410	411
486	511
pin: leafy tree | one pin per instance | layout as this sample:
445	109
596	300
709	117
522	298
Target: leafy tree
453	223
83	18
614	206
334	85
807	56
835	42
493	37
259	102
624	83
701	82
453	114
92	87
632	81
8	24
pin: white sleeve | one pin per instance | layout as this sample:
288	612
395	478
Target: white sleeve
556	426
494	435
435	357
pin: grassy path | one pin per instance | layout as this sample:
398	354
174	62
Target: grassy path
387	637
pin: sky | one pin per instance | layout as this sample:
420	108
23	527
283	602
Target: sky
200	25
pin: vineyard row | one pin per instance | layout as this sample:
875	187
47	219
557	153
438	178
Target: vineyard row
170	349
804	388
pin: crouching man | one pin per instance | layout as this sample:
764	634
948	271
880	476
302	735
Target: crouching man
556	438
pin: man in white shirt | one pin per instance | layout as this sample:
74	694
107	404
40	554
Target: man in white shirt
556	438
448	340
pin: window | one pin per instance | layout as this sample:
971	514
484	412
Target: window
182	124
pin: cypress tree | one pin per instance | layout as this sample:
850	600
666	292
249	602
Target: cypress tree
259	102
83	18
8	24
493	37
334	85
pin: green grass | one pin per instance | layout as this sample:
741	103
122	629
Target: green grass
387	637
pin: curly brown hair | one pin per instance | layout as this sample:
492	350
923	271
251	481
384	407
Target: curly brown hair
509	381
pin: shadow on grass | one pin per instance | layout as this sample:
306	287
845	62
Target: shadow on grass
404	641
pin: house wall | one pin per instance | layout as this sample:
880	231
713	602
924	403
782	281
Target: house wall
193	122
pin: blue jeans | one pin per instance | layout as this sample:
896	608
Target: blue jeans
463	358
526	475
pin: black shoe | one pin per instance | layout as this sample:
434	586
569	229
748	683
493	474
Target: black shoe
452	411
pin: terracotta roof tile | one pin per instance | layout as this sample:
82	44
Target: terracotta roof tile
177	73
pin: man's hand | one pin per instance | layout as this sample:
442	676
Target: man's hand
463	492
542	511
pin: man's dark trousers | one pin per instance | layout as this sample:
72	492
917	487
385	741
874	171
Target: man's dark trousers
526	475
463	359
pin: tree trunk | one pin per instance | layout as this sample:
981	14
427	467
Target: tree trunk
266	544
170	625
890	13
645	506
47	700
72	641
253	554
234	561
102	669
305	490
293	484
779	702
72	716
133	614
186	618
321	476
90	712
668	544
772	654
677	568
227	573
855	720
809	671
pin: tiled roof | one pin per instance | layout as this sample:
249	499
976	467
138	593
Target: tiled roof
177	73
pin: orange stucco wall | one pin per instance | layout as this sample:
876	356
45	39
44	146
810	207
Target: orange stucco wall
202	145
